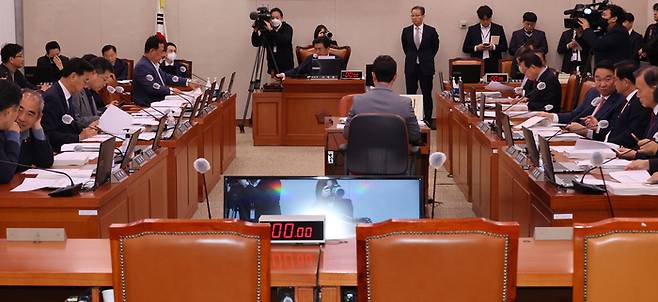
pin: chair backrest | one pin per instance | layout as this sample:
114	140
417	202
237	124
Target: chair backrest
185	260
505	65
437	260
585	87
615	260
345	105
131	68
186	63
465	61
303	52
568	97
377	145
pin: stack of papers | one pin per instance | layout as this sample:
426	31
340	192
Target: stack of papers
497	86
585	148
147	136
74	158
115	120
533	121
97	138
516	107
32	184
631	177
74	173
614	164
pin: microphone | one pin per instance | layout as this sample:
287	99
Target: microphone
595	102
201	166
68	191
603	124
436	161
597	162
548	107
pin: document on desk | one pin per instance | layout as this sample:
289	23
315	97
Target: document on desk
115	120
631	177
531	122
74	173
632	189
516	107
573	153
145	121
147	136
33	184
96	138
81	147
72	159
498	86
614	164
588	144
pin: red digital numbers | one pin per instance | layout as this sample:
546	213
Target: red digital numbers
291	231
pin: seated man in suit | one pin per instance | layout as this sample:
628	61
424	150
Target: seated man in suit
119	67
12	60
59	110
646	82
486	40
10	144
49	67
35	148
321	48
528	32
382	99
88	104
546	92
601	103
170	66
150	82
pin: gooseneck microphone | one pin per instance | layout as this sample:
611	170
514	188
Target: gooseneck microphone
201	165
597	163
68	191
437	160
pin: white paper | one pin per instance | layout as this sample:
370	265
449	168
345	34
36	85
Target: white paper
32	184
115	120
631	177
147	136
124	81
535	120
516	107
495	40
591	180
74	173
71	159
86	147
632	189
614	164
583	154
497	86
340	126
145	121
587	144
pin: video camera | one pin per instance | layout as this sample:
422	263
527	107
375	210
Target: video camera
591	12
260	16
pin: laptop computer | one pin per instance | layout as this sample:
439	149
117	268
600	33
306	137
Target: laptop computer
105	162
128	154
325	67
565	181
533	154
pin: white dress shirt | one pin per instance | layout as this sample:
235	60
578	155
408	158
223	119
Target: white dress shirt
67	94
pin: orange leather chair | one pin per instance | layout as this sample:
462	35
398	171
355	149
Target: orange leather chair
344	52
437	260
185	260
465	61
505	65
615	260
345	105
585	87
131	67
568	96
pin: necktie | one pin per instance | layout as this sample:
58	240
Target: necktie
596	110
417	37
652	127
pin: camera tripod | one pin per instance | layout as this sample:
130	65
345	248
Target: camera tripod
257	74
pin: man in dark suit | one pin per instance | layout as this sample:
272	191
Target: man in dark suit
420	43
35	148
49	67
120	68
382	99
278	35
10	144
251	198
649	51
546	94
486	40
321	48
646	82
614	45
574	54
59	108
150	82
528	32
12	60
170	66
636	39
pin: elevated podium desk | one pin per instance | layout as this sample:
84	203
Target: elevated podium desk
89	214
295	117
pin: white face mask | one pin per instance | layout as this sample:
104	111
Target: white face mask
171	56
276	23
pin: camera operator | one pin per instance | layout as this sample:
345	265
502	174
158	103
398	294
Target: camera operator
321	31
614	45
279	38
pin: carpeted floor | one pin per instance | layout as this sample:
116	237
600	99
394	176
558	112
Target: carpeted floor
308	161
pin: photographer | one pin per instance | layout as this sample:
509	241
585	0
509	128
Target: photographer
614	45
321	31
278	36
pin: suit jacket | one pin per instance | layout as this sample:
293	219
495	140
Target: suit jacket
35	151
55	107
634	119
474	37
17	77
609	109
429	46
650	45
175	69
47	71
10	149
307	67
551	94
519	39
567	65
637	41
144	79
120	69
384	100
281	43
85	108
614	45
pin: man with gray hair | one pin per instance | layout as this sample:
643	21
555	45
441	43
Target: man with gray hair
35	148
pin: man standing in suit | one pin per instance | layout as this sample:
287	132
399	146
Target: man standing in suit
486	40
35	148
278	36
528	32
614	45
120	68
546	91
10	144
59	110
649	51
49	67
420	43
382	99
574	54
150	82
635	38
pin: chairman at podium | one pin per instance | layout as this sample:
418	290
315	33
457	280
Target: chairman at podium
321	48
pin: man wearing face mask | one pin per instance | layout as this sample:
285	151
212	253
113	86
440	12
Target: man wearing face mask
170	66
278	35
615	44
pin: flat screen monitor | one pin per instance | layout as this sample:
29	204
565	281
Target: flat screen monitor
370	68
499	122
531	146
162	124
507	129
195	107
104	163
128	154
345	201
473	102
546	158
325	67
469	73
220	92
483	106
230	85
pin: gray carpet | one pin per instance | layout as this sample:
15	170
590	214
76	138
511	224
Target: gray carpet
308	161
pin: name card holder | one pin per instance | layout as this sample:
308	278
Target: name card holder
138	161
149	153
536	174
118	176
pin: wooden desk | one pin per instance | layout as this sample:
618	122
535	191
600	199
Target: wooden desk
334	161
89	214
87	262
295	117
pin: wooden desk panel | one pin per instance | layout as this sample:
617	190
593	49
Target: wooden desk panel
182	179
267	118
218	141
228	125
444	108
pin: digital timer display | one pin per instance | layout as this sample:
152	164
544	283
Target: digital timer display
351	75
295	228
497	77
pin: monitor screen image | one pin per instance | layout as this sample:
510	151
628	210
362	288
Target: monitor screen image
345	201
